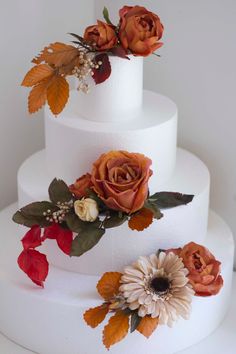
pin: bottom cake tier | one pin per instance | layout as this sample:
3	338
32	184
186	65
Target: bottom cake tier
50	320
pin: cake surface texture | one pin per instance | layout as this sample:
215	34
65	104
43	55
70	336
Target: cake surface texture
144	208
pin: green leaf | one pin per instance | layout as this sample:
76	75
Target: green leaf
164	200
106	16
59	192
115	219
74	223
86	239
33	214
157	214
135	320
101	205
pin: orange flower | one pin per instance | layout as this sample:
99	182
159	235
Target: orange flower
79	188
140	30
204	269
121	179
101	36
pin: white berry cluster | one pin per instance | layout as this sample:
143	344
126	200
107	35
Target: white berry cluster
59	215
85	68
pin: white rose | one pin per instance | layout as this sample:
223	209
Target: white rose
86	209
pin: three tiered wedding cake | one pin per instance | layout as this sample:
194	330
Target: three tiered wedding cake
122	140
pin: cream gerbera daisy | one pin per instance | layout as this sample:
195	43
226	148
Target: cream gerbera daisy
158	286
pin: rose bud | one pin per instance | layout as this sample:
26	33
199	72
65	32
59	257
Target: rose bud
86	209
102	36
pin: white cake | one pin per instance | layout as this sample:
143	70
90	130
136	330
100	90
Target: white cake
115	115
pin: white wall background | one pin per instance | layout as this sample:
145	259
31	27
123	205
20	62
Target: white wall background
197	70
26	26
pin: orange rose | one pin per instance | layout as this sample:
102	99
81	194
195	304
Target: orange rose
140	30
101	36
121	179
79	188
204	269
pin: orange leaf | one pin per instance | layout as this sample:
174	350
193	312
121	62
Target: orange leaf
37	74
57	54
57	94
141	220
93	317
116	329
37	97
147	326
108	285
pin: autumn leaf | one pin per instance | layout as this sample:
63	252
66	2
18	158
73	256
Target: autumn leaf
64	240
32	238
141	220
67	69
34	264
37	74
116	329
147	326
108	285
57	54
93	317
38	96
120	52
57	94
103	71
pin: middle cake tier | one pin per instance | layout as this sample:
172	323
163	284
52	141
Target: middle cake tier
73	142
121	246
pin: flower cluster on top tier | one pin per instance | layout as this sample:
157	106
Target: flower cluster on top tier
153	291
77	216
138	33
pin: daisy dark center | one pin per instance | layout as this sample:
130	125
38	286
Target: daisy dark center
160	284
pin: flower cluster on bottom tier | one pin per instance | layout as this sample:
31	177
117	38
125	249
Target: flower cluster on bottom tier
157	289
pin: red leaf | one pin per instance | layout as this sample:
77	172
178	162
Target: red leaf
32	238
64	237
104	71
51	232
120	52
35	265
64	240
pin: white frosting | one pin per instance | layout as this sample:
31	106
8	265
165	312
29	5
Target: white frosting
119	98
121	245
73	143
51	320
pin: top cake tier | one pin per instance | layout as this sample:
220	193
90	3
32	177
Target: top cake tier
117	99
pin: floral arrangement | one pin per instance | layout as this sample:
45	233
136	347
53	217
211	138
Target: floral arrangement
77	216
155	290
138	33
